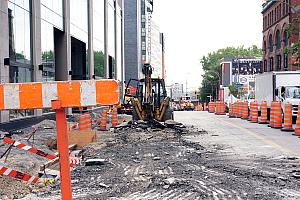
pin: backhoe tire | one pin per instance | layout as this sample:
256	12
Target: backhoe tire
169	114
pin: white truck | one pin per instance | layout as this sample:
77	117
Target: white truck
283	86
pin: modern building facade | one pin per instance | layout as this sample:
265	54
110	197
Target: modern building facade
143	43
55	40
277	15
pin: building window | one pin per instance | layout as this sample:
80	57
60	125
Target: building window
265	65
278	40
20	48
285	39
271	64
278	62
285	62
271	43
265	47
98	28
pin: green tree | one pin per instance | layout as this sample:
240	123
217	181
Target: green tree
212	70
99	63
47	56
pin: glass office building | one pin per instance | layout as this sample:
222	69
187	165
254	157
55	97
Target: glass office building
54	40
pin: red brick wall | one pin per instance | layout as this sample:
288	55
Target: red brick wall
270	27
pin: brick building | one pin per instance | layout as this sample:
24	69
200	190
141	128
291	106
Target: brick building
277	15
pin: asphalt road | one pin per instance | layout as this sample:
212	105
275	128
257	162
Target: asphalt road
240	136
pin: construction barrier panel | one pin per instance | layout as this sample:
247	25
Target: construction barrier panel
240	110
288	118
264	113
15	96
58	96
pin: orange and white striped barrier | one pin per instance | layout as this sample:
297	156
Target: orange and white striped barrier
288	118
263	113
18	175
84	122
58	96
277	114
28	148
114	117
297	128
71	94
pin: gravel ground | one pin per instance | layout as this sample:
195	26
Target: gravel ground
143	164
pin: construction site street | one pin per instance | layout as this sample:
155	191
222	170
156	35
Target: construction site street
208	157
241	136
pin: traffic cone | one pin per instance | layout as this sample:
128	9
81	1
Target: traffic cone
272	115
103	120
239	110
297	128
114	117
288	118
263	113
235	110
254	114
277	113
245	114
84	122
204	107
251	111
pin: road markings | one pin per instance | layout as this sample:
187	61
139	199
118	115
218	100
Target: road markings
261	138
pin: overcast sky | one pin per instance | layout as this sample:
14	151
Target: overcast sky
193	28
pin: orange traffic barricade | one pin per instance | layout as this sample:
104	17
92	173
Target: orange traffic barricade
272	115
240	111
245	112
103	121
84	122
297	128
277	115
254	113
288	118
263	113
114	117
